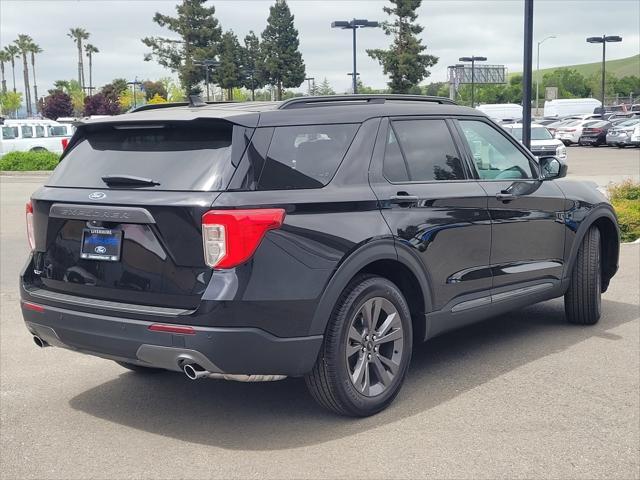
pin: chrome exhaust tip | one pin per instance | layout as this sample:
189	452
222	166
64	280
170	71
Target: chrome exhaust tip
194	371
39	342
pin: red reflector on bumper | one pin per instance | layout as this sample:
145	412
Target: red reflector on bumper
33	307
158	327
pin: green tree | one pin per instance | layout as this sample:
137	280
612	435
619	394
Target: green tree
24	43
90	50
283	64
175	93
78	35
404	61
114	89
325	88
252	64
13	52
74	90
228	74
10	102
4	58
34	49
628	85
570	83
594	84
199	34
151	89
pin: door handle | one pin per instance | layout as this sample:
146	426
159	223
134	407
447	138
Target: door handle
505	196
403	199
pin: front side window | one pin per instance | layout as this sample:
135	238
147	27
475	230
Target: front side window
305	156
494	156
7	133
421	151
27	131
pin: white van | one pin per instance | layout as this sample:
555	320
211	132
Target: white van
570	106
502	111
33	135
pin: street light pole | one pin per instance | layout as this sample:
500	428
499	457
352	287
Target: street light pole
473	59
354	25
309	80
603	40
538	72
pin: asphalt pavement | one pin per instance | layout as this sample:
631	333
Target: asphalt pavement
523	395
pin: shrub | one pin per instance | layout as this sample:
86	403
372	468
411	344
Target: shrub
625	198
28	161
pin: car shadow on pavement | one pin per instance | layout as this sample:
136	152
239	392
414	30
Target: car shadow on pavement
279	415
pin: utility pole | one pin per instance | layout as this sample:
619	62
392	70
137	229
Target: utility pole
538	72
526	73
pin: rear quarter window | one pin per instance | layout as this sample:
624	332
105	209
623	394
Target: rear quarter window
305	156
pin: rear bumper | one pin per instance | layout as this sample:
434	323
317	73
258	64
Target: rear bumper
249	351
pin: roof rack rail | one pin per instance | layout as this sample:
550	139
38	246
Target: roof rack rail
155	106
333	100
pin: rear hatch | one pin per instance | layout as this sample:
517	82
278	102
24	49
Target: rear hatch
120	218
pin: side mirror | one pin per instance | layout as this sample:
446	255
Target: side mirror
552	168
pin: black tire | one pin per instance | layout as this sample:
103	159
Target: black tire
582	302
139	368
331	382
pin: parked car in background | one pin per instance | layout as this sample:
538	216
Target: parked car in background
570	106
542	142
595	134
620	135
34	135
501	112
569	133
635	136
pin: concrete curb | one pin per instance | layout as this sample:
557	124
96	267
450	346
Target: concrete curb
25	173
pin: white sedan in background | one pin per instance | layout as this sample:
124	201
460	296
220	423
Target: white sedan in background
542	142
569	133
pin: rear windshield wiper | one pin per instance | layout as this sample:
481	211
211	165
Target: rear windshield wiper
128	180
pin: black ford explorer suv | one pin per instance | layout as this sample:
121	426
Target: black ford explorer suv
319	237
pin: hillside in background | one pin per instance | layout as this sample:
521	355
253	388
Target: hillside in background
621	67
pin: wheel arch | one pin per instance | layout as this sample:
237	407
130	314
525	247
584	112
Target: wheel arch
379	258
605	220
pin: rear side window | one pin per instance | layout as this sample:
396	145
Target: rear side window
305	156
39	131
421	151
190	156
57	131
27	131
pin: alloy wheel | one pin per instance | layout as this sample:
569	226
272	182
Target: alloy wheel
374	346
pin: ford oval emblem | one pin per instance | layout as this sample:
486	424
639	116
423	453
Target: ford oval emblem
97	195
100	249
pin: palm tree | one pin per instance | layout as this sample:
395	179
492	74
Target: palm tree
24	42
4	58
78	35
13	52
90	50
33	50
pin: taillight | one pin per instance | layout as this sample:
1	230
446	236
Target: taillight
30	235
65	143
230	237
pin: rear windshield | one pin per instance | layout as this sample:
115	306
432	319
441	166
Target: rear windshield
180	156
305	156
537	133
